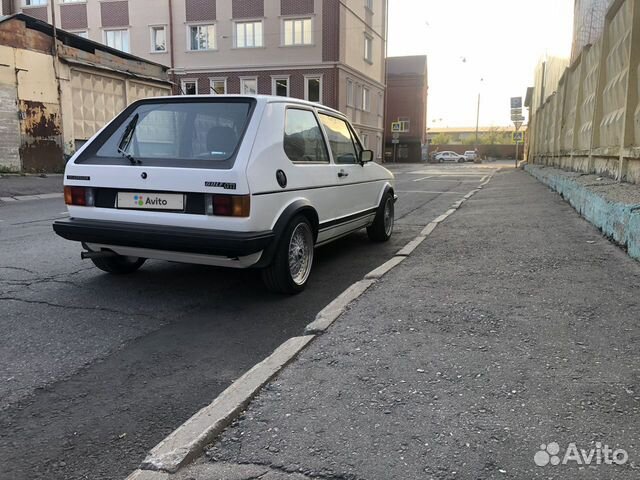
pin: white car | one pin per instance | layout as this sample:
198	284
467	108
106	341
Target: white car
234	181
470	156
450	157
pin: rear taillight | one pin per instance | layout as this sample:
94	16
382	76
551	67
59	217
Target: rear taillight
228	205
79	196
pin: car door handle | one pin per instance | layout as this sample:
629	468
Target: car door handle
342	174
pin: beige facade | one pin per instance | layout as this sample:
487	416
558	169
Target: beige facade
592	123
345	52
50	104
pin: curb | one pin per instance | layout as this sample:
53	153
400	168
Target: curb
331	312
187	441
25	198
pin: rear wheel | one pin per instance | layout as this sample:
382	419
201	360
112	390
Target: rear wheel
382	226
118	264
291	266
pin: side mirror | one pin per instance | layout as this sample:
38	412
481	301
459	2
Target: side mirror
366	156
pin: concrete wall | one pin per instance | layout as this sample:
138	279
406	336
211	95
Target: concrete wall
592	123
9	124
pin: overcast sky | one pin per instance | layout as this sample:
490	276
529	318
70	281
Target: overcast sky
500	41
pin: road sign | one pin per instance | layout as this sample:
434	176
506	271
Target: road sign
396	135
395	141
396	127
518	137
518	124
516	102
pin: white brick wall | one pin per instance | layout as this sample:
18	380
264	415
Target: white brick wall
9	129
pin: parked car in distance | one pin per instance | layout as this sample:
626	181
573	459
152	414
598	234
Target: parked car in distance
224	180
450	157
470	156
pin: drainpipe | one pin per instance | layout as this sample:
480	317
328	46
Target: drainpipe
171	54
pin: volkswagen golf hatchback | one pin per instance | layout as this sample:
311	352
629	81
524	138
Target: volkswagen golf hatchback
233	181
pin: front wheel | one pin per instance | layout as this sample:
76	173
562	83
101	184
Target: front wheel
118	264
291	265
382	226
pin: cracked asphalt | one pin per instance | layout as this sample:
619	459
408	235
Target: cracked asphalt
514	325
97	369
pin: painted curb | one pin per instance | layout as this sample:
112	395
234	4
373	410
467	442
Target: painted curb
147	475
411	246
384	268
441	218
25	198
331	312
187	441
428	230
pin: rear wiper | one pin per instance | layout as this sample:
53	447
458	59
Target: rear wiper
125	141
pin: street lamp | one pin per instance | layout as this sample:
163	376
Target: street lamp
478	115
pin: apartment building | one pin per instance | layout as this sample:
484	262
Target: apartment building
327	51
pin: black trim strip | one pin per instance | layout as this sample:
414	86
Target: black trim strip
164	237
78	177
321	186
347	219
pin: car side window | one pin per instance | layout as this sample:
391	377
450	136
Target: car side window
303	140
343	145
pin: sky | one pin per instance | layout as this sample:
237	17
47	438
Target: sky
489	47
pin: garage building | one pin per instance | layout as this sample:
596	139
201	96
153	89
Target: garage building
57	89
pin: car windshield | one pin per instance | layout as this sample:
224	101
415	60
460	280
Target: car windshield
175	133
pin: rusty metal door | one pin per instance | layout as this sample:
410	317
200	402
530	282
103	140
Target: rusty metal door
40	137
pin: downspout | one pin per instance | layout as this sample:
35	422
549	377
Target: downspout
171	54
56	72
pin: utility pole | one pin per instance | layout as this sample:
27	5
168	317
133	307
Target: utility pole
477	121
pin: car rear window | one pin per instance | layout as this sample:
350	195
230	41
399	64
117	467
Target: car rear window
175	133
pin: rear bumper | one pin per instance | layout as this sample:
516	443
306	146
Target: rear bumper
167	238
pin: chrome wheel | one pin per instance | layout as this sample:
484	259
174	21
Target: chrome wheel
388	216
300	253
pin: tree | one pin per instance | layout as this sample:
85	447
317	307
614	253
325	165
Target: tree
441	139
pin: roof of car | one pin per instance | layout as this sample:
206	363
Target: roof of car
266	99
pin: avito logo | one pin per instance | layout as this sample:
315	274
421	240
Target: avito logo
140	200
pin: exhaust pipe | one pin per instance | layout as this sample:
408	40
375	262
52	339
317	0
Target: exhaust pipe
100	254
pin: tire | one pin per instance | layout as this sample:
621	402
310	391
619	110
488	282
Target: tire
440	160
382	227
118	265
291	265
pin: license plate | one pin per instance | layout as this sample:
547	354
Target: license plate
150	201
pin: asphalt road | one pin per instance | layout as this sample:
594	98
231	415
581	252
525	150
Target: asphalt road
96	369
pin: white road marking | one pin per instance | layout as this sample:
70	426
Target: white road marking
423	178
426	191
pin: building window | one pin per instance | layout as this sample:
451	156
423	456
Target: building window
249	86
118	39
366	99
158	39
202	37
358	96
303	140
313	89
368	48
80	33
74	1
297	31
379	145
349	92
189	87
31	3
280	86
365	140
249	35
380	104
369	4
218	86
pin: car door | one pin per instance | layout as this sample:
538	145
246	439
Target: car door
356	194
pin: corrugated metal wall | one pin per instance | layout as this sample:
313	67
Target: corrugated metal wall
597	99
